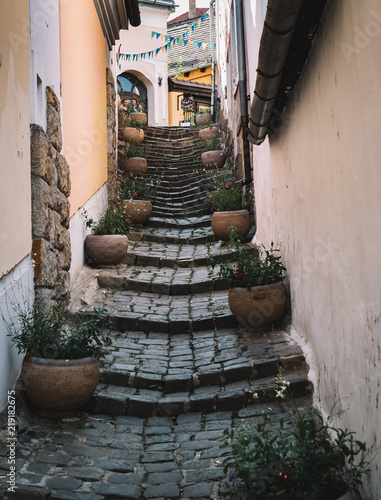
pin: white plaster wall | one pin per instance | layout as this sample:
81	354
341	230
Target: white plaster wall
94	208
317	189
44	55
138	40
16	289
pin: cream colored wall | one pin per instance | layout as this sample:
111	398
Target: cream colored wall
317	188
83	70
16	271
15	199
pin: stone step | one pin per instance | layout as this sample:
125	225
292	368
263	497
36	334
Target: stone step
200	235
118	400
141	253
159	361
173	206
167	281
152	312
179	213
179	222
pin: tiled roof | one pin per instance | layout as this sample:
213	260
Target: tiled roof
184	17
192	57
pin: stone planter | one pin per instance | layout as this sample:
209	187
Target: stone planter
260	307
213	159
59	387
139	211
106	249
204	119
136	165
208	133
133	135
142	117
224	222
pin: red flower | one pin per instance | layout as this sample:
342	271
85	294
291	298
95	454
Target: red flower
239	273
116	229
283	476
135	194
106	226
129	222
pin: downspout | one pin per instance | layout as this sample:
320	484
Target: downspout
211	18
240	31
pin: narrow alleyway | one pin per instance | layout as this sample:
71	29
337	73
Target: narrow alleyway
180	372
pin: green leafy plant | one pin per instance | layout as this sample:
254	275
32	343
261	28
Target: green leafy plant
113	221
214	144
138	188
132	121
248	269
135	150
308	460
229	197
48	334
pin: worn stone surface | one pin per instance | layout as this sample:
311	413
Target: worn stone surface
45	270
42	154
63	175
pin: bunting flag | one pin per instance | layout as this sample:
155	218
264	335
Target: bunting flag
171	41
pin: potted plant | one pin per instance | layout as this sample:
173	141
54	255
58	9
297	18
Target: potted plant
135	159
208	131
309	460
60	370
257	293
133	131
136	193
108	243
203	117
213	155
230	210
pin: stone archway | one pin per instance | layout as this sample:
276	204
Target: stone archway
130	85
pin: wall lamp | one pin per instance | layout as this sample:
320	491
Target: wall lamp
159	81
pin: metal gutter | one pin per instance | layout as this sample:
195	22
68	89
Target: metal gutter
241	53
281	19
133	12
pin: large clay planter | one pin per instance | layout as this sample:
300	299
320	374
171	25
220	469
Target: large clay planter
224	222
135	165
213	159
260	307
208	133
142	117
133	135
59	387
106	249
204	119
139	211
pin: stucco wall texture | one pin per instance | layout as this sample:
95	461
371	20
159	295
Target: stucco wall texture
317	188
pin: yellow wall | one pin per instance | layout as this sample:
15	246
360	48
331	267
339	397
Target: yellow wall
83	69
175	116
15	197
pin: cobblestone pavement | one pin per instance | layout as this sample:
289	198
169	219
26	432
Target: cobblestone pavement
180	372
125	457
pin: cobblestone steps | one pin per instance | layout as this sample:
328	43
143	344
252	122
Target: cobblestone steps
180	222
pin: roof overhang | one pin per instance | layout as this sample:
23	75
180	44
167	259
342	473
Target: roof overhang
200	90
288	31
115	15
159	4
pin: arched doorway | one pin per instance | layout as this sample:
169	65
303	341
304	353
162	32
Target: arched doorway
130	86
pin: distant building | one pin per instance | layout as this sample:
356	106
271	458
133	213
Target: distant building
190	63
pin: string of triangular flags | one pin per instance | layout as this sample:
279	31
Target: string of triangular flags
171	41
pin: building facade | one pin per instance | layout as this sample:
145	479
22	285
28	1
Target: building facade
312	137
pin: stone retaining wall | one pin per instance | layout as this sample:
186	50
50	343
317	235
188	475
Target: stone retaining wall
50	207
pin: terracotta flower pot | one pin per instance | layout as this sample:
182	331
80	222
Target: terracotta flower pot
208	133
106	249
142	117
59	387
139	211
224	222
204	119
260	307
213	159
136	165
133	135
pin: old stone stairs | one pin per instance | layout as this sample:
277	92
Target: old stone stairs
176	346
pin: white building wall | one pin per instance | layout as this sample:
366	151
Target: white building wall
45	64
138	40
317	190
